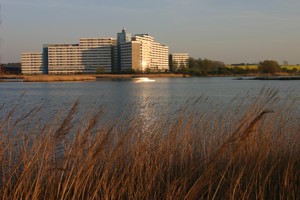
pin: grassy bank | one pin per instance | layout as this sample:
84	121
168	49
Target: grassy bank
11	76
241	153
51	78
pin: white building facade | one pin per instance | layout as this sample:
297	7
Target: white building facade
64	59
91	55
153	55
179	60
130	56
32	63
97	54
159	57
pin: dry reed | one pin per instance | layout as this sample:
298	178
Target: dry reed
52	78
253	155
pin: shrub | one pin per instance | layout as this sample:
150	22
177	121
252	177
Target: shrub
269	66
129	71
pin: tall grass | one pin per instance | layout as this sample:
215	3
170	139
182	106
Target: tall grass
239	153
51	78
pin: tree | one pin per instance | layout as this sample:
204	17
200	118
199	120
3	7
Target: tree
173	66
269	66
182	65
206	66
192	63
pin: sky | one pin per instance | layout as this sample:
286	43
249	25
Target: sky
232	31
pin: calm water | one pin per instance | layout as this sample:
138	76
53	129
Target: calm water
164	95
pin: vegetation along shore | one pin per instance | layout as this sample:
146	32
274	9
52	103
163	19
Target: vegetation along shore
83	77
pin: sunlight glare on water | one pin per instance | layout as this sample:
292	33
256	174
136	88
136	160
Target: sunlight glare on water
143	80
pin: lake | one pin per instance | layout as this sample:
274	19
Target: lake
146	99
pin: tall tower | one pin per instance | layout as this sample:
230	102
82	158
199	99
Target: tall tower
122	38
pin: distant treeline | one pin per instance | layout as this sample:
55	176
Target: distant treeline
206	67
10	68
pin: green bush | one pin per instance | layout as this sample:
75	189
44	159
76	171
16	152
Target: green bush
269	66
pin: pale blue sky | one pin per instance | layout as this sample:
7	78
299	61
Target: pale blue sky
231	31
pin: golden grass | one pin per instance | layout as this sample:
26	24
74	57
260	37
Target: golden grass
51	78
239	153
10	76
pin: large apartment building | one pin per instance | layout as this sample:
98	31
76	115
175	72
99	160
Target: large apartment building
64	59
101	55
122	37
153	55
145	50
142	53
159	57
97	54
130	56
32	63
178	60
91	55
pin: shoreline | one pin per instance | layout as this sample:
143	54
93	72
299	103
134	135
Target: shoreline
119	76
81	77
94	77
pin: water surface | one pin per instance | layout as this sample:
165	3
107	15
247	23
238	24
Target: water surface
148	99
